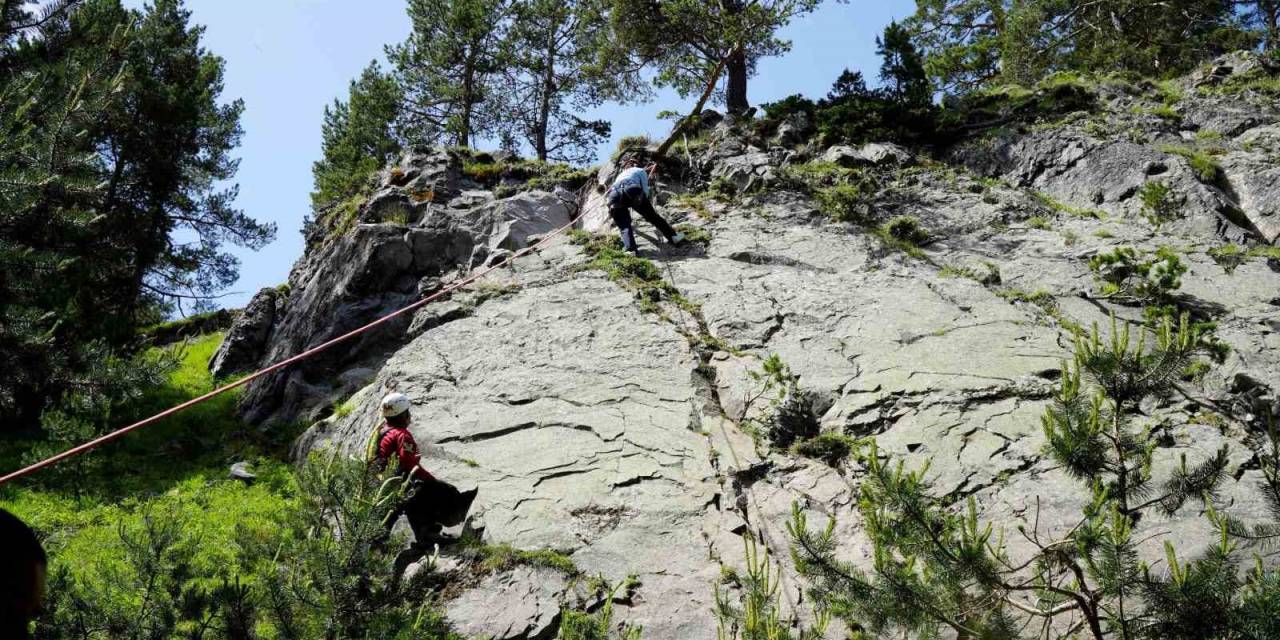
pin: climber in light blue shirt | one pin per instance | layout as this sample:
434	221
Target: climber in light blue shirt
631	190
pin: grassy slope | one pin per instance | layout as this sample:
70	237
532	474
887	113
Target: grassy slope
177	469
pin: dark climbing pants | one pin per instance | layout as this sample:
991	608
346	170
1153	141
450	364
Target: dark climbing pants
417	507
430	505
620	205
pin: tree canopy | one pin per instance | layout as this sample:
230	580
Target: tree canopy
973	43
688	42
114	212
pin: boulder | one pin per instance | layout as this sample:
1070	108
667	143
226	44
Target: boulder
748	171
508	223
1228	118
241	351
389	205
868	155
794	130
1255	180
886	153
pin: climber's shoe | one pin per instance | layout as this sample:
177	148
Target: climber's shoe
677	239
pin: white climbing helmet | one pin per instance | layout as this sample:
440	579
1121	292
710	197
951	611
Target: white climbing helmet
395	404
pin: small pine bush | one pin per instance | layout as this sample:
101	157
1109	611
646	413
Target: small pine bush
1132	276
907	229
940	571
831	448
793	419
1158	203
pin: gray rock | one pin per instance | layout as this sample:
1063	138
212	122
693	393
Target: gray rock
241	350
868	155
1255	182
1229	118
1226	66
389	205
844	156
885	153
614	436
523	604
508	223
795	130
1105	175
242	471
748	171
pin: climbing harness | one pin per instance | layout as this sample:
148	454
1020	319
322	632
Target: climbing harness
118	433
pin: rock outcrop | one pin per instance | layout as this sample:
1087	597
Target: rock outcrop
242	349
423	227
616	435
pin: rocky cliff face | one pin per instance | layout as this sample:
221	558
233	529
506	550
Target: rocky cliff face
612	429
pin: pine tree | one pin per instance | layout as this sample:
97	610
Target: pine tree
112	148
760	616
902	69
962	41
553	70
1264	17
357	137
690	42
48	186
970	44
937	569
447	69
335	581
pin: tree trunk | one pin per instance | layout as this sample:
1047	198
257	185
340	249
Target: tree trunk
736	93
697	109
548	87
468	100
1270	13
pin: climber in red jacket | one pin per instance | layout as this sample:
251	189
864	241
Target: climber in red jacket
428	503
395	439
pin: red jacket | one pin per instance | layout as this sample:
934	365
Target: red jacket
399	442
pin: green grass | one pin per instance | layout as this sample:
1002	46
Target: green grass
1046	302
190	326
842	202
1258	82
637	274
696	235
501	557
1230	256
176	470
905	234
719	190
533	175
1039	222
1061	207
630	143
344	409
1203	164
695	202
1170	92
992	276
1164	112
831	448
950	271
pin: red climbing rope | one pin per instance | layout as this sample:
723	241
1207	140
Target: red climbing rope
101	440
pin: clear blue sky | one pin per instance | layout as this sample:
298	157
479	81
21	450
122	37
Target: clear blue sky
289	58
